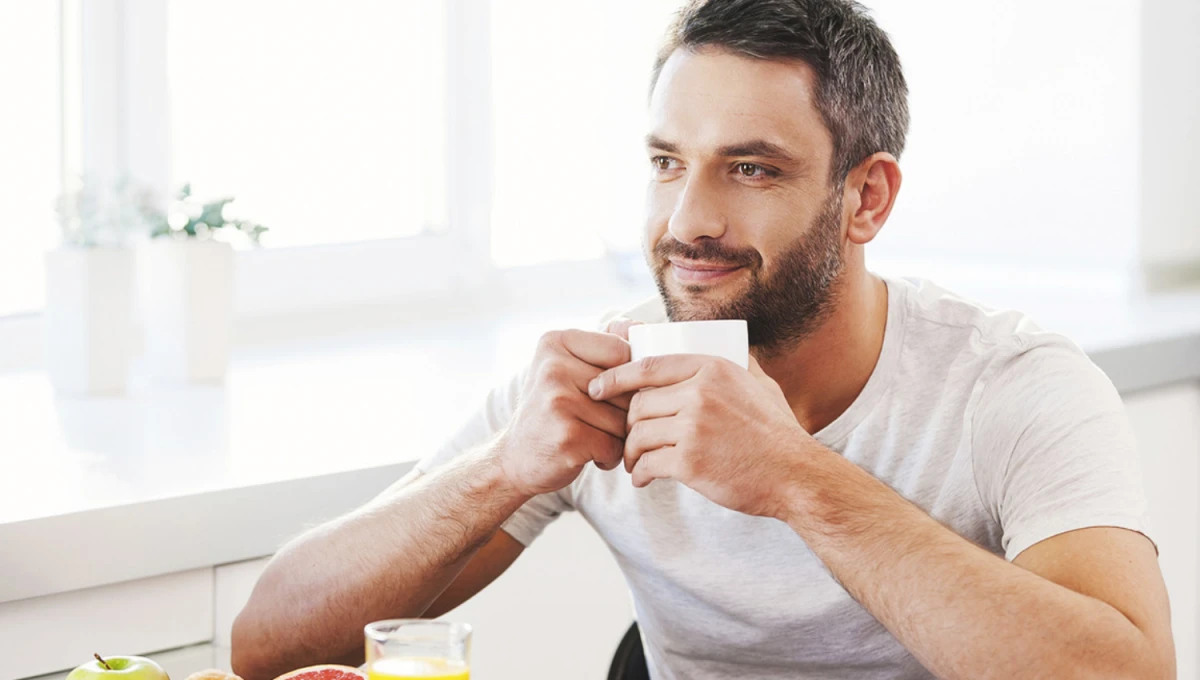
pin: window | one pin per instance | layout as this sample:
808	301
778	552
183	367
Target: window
570	83
30	134
327	121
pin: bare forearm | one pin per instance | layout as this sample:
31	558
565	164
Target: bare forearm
389	559
963	612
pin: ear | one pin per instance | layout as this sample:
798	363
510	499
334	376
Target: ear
870	193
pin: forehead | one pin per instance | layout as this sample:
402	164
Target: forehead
710	97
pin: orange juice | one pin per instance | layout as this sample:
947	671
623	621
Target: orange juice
417	668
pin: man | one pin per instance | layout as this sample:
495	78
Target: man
903	485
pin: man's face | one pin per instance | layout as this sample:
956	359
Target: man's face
742	221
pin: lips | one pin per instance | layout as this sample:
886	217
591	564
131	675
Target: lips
701	272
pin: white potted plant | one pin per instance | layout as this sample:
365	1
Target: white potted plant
88	319
187	289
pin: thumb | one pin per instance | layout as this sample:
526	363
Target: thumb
620	326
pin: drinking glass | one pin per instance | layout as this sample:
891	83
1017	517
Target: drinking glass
418	649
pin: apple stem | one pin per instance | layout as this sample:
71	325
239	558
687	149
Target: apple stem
102	661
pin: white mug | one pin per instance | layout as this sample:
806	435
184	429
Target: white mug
725	338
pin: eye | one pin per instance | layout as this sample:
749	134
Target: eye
752	170
662	163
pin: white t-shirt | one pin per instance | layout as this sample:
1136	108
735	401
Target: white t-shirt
1003	432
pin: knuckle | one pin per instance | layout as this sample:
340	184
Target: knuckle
566	465
559	401
649	364
554	372
563	436
635	409
637	401
715	372
569	337
550	341
634	436
610	455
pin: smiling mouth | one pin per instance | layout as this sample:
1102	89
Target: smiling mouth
701	272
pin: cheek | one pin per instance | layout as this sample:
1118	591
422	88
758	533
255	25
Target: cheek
772	224
660	202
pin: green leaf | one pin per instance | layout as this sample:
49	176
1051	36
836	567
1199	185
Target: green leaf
213	213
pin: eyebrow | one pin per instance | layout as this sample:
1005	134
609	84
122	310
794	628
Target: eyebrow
758	148
653	142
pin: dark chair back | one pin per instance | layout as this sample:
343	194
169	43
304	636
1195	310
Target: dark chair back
629	663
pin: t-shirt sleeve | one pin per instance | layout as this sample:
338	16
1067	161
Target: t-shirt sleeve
1053	448
486	422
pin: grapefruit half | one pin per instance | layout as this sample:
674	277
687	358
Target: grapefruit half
326	672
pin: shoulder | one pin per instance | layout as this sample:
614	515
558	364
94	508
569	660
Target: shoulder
932	309
997	346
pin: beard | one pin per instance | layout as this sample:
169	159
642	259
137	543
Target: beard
781	307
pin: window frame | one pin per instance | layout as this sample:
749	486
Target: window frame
123	124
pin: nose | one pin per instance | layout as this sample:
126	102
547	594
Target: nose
697	213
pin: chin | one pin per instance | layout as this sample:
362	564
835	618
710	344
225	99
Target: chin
701	306
700	302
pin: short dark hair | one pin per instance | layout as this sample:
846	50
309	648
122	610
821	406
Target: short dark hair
861	93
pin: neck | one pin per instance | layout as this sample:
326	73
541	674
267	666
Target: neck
824	373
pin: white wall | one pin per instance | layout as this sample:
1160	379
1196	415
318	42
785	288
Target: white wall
1167	423
1170	93
1024	135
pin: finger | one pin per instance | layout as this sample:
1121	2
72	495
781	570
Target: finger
755	368
576	356
621	401
605	417
608	453
602	350
620	326
656	371
660	402
657	464
649	435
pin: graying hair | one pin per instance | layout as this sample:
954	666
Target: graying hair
861	93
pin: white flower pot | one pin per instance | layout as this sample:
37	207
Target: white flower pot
187	309
88	321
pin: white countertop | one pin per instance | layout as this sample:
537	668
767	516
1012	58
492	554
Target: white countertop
188	476
183	477
276	418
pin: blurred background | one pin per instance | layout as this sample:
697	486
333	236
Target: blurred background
440	182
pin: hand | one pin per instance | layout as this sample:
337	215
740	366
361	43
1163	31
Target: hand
557	428
724	431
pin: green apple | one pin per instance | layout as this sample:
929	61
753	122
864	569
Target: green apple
119	668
